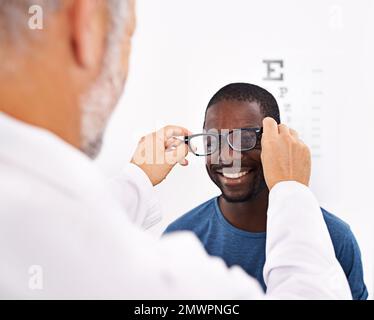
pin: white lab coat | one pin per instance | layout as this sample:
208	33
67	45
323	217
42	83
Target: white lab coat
68	233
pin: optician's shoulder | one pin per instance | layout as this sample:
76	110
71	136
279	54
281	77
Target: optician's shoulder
24	191
38	161
47	176
195	219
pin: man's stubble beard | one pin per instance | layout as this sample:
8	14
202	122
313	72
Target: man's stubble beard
99	103
258	187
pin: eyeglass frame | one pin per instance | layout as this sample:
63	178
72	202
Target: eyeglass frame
258	132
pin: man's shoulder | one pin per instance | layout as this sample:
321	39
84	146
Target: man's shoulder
194	218
335	224
340	231
348	253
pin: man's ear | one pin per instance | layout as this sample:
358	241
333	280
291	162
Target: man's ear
87	32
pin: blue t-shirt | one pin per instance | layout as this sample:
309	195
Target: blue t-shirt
247	249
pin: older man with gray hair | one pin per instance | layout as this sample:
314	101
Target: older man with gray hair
67	232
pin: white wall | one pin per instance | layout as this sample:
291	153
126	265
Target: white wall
185	50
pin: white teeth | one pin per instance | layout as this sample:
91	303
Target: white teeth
234	175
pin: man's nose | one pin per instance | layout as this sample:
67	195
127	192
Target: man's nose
227	156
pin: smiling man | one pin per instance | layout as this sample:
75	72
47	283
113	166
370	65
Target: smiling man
233	225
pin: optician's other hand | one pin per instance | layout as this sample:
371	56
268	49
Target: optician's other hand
158	152
284	156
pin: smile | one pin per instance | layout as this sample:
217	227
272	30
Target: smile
234	175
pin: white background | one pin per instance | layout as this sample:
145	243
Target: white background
185	50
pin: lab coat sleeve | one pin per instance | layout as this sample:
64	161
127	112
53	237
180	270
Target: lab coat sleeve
135	193
300	258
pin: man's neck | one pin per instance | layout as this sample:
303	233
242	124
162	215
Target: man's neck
39	101
248	215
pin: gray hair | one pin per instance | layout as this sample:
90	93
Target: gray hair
98	102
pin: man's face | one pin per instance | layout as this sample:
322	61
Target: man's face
228	115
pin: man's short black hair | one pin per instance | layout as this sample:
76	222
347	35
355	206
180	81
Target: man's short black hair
251	93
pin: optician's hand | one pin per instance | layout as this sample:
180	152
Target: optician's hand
284	156
158	152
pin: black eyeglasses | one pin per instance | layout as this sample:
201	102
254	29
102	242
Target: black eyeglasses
205	144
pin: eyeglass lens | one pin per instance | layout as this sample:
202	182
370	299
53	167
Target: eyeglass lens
239	140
